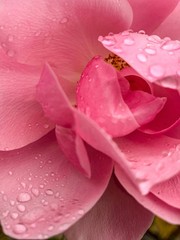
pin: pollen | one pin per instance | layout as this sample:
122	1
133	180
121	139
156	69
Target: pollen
116	61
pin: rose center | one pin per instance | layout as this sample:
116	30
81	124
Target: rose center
116	61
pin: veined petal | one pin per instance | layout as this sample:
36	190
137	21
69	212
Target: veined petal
60	31
116	216
45	194
22	119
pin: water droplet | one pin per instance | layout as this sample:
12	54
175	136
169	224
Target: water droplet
5	214
50	228
150	51
11	53
19	228
154	39
35	192
63	227
81	212
129	41
12	202
21	208
10	173
141	57
171	45
125	33
64	20
14	215
33	215
24	197
157	71
46	126
108	41
141	32
49	192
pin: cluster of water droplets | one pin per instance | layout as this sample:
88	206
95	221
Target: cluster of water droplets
37	204
153	45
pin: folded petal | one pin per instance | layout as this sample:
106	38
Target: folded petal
60	32
116	216
155	59
170	26
99	96
153	159
150	201
169	117
73	148
45	194
22	119
154	12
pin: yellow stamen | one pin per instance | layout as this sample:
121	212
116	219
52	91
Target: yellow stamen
116	61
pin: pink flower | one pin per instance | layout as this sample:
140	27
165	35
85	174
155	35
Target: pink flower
125	120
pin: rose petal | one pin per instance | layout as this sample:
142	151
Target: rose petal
150	201
116	216
153	159
153	58
154	12
99	97
22	120
170	26
45	195
169	191
73	148
60	31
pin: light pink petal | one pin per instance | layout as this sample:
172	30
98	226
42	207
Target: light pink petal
45	194
150	201
116	216
73	148
99	97
155	59
148	15
169	117
54	101
153	159
22	119
170	26
169	191
63	33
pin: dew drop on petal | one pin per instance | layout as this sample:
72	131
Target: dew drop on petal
49	192
35	192
19	228
157	71
154	39
150	51
141	57
129	41
33	215
108	41
14	215
171	45
24	197
81	212
21	208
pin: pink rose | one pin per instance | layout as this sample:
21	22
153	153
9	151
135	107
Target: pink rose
123	120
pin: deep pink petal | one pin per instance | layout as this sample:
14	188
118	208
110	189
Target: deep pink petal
150	201
99	97
63	33
155	59
45	194
169	191
116	216
152	15
73	148
144	106
170	26
153	159
169	117
22	119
